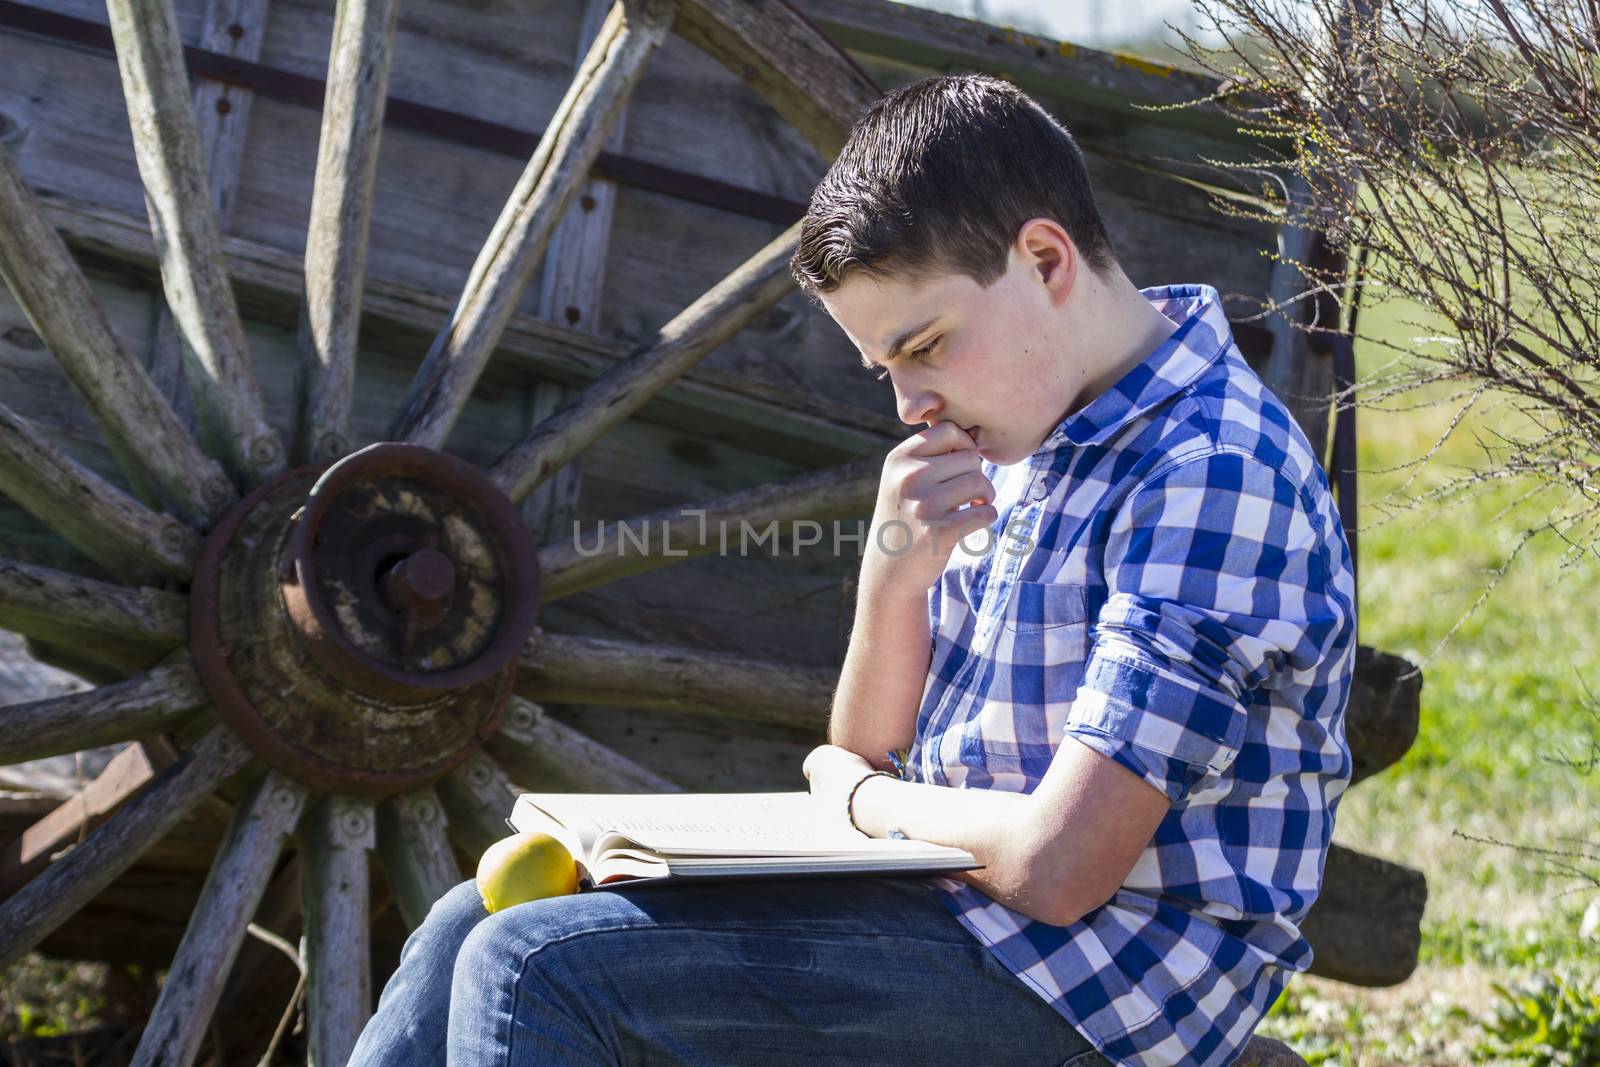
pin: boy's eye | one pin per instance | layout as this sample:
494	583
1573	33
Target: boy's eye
916	353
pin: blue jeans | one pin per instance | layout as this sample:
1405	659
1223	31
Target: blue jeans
755	973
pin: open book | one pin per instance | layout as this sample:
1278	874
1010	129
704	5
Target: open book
663	837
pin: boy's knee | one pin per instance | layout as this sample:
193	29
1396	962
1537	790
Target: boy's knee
448	922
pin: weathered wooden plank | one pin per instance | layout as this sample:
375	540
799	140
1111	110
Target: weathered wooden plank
802	75
106	524
549	509
336	836
151	445
414	845
576	670
51	605
72	881
571	291
515	247
233	28
544	754
232	892
161	116
1366	925
1113	80
768	419
29	852
478	798
573	279
645	542
341	206
700	752
151	703
681	343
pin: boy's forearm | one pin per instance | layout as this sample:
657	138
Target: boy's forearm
999	828
885	669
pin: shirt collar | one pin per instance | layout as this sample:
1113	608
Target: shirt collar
1202	336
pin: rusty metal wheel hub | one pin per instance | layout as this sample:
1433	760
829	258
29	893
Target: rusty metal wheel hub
359	625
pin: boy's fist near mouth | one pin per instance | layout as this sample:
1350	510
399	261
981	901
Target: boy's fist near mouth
928	479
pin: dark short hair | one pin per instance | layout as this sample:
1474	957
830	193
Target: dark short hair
938	176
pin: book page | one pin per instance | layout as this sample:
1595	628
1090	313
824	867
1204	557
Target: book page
741	823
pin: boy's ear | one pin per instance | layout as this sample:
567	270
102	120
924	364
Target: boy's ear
1050	253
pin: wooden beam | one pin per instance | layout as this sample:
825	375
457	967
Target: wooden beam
1385	707
572	289
517	243
233	890
770	46
544	754
478	797
414	847
44	603
94	863
335	942
1298	375
235	29
228	402
149	443
1115	81
562	669
29	853
674	534
151	703
105	523
762	417
341	208
1366	925
757	284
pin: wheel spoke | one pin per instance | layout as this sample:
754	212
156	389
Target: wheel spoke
29	854
151	703
722	311
108	525
54	605
538	751
806	78
149	443
675	534
263	819
562	669
478	798
166	143
341	207
515	246
335	944
94	863
415	850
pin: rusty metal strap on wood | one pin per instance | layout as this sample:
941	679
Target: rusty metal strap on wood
435	122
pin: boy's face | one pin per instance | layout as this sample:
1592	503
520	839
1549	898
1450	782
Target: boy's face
988	360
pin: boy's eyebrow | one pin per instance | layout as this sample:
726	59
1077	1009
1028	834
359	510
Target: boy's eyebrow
900	342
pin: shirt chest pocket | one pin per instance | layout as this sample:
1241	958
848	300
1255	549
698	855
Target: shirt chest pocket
1028	680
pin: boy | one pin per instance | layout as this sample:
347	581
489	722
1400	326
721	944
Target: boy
1126	699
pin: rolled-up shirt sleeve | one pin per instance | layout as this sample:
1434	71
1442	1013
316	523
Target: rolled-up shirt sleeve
1218	582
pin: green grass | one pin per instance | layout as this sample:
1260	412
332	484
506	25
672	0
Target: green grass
1505	750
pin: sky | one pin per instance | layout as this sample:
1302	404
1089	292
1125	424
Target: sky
1097	23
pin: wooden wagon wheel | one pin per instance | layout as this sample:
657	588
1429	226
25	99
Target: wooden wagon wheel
356	620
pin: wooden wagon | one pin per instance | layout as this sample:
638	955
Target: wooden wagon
567	269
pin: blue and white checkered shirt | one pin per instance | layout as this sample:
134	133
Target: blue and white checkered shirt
1168	583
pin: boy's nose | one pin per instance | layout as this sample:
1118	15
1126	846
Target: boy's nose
918	407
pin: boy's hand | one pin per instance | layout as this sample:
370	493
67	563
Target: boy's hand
833	772
920	515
